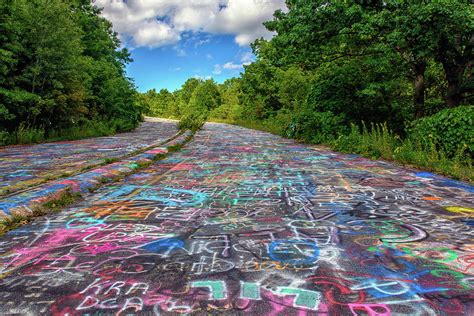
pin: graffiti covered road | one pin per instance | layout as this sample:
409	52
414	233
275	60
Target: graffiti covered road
22	166
242	222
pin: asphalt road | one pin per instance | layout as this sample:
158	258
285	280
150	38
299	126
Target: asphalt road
241	222
23	166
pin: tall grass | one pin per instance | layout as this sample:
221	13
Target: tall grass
25	135
379	142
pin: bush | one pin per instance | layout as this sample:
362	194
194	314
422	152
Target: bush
26	135
450	130
316	127
193	121
374	143
204	99
22	135
279	123
83	130
4	137
380	142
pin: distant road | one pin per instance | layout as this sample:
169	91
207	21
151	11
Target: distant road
23	166
241	222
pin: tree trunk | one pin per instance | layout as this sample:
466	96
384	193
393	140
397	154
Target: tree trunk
419	97
454	94
453	97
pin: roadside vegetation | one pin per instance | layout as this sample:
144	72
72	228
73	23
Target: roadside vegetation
62	73
384	79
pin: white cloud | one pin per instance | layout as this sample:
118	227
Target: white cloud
244	18
155	23
154	34
232	66
246	58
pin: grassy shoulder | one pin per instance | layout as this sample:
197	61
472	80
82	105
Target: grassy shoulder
381	143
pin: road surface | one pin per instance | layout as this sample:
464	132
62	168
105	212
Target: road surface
22	166
242	222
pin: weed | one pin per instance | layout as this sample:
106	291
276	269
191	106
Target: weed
27	135
104	180
65	199
379	142
16	220
110	160
159	157
174	148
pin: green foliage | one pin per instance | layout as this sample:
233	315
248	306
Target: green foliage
313	33
317	127
161	104
26	135
230	109
450	130
259	96
90	128
362	89
192	120
375	143
292	87
380	142
204	98
60	66
184	94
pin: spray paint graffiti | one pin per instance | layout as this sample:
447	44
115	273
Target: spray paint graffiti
243	222
24	202
29	165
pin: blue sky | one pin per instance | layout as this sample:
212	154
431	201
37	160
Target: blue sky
173	40
200	55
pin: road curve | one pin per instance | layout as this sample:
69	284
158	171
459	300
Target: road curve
242	222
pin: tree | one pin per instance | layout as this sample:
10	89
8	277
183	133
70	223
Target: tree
44	84
259	97
183	95
420	30
205	96
162	104
454	34
61	65
362	89
230	109
293	86
315	32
